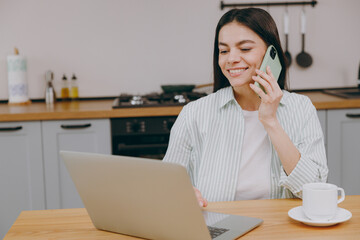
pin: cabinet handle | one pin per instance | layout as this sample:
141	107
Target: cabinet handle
353	115
86	125
6	129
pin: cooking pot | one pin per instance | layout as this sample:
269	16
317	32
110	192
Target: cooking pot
177	88
182	87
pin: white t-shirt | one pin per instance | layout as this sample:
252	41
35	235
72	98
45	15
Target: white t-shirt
254	174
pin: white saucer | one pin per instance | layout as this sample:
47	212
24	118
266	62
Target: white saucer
297	214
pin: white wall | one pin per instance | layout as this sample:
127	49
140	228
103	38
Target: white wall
118	46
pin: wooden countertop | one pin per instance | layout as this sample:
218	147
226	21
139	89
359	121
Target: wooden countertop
326	101
88	109
76	223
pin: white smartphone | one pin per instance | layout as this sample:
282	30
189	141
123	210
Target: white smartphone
272	60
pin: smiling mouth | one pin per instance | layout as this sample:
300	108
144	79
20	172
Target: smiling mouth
236	72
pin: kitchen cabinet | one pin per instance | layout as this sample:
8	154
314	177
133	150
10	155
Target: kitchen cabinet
72	135
21	171
343	149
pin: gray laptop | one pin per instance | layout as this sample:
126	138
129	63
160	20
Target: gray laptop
147	198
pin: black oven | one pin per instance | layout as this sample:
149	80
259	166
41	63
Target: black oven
146	137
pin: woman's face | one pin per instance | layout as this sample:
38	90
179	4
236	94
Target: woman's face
241	51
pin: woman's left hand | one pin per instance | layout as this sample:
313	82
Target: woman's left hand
269	100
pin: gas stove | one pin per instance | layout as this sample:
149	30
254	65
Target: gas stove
156	99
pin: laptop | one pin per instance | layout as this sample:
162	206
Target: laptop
147	198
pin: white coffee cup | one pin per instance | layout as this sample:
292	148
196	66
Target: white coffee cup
320	200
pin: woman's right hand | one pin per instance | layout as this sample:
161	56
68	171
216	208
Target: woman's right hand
202	201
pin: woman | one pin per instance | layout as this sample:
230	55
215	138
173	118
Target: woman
240	142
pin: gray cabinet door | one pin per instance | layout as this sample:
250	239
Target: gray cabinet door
72	135
343	149
21	171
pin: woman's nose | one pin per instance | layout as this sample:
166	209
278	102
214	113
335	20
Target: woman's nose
234	56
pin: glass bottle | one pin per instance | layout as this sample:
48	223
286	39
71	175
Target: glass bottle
64	88
74	90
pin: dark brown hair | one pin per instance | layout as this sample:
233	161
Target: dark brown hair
259	21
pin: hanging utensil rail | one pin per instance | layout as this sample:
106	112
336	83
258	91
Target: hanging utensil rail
266	4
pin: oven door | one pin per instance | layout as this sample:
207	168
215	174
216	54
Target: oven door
153	146
141	137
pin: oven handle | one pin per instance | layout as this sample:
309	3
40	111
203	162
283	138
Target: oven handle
122	146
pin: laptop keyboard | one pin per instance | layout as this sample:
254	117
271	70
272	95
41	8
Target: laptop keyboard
215	232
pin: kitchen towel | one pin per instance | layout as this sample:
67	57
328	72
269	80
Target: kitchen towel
17	82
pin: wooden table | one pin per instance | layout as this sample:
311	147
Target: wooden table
76	224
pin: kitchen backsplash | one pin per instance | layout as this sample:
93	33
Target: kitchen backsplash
135	46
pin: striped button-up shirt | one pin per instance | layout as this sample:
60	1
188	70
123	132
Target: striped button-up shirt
207	139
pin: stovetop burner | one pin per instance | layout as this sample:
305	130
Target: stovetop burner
155	99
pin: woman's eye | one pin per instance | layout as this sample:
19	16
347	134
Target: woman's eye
223	51
245	49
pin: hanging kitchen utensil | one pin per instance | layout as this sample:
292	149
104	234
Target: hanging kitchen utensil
303	58
286	31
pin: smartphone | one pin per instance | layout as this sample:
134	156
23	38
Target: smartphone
272	60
